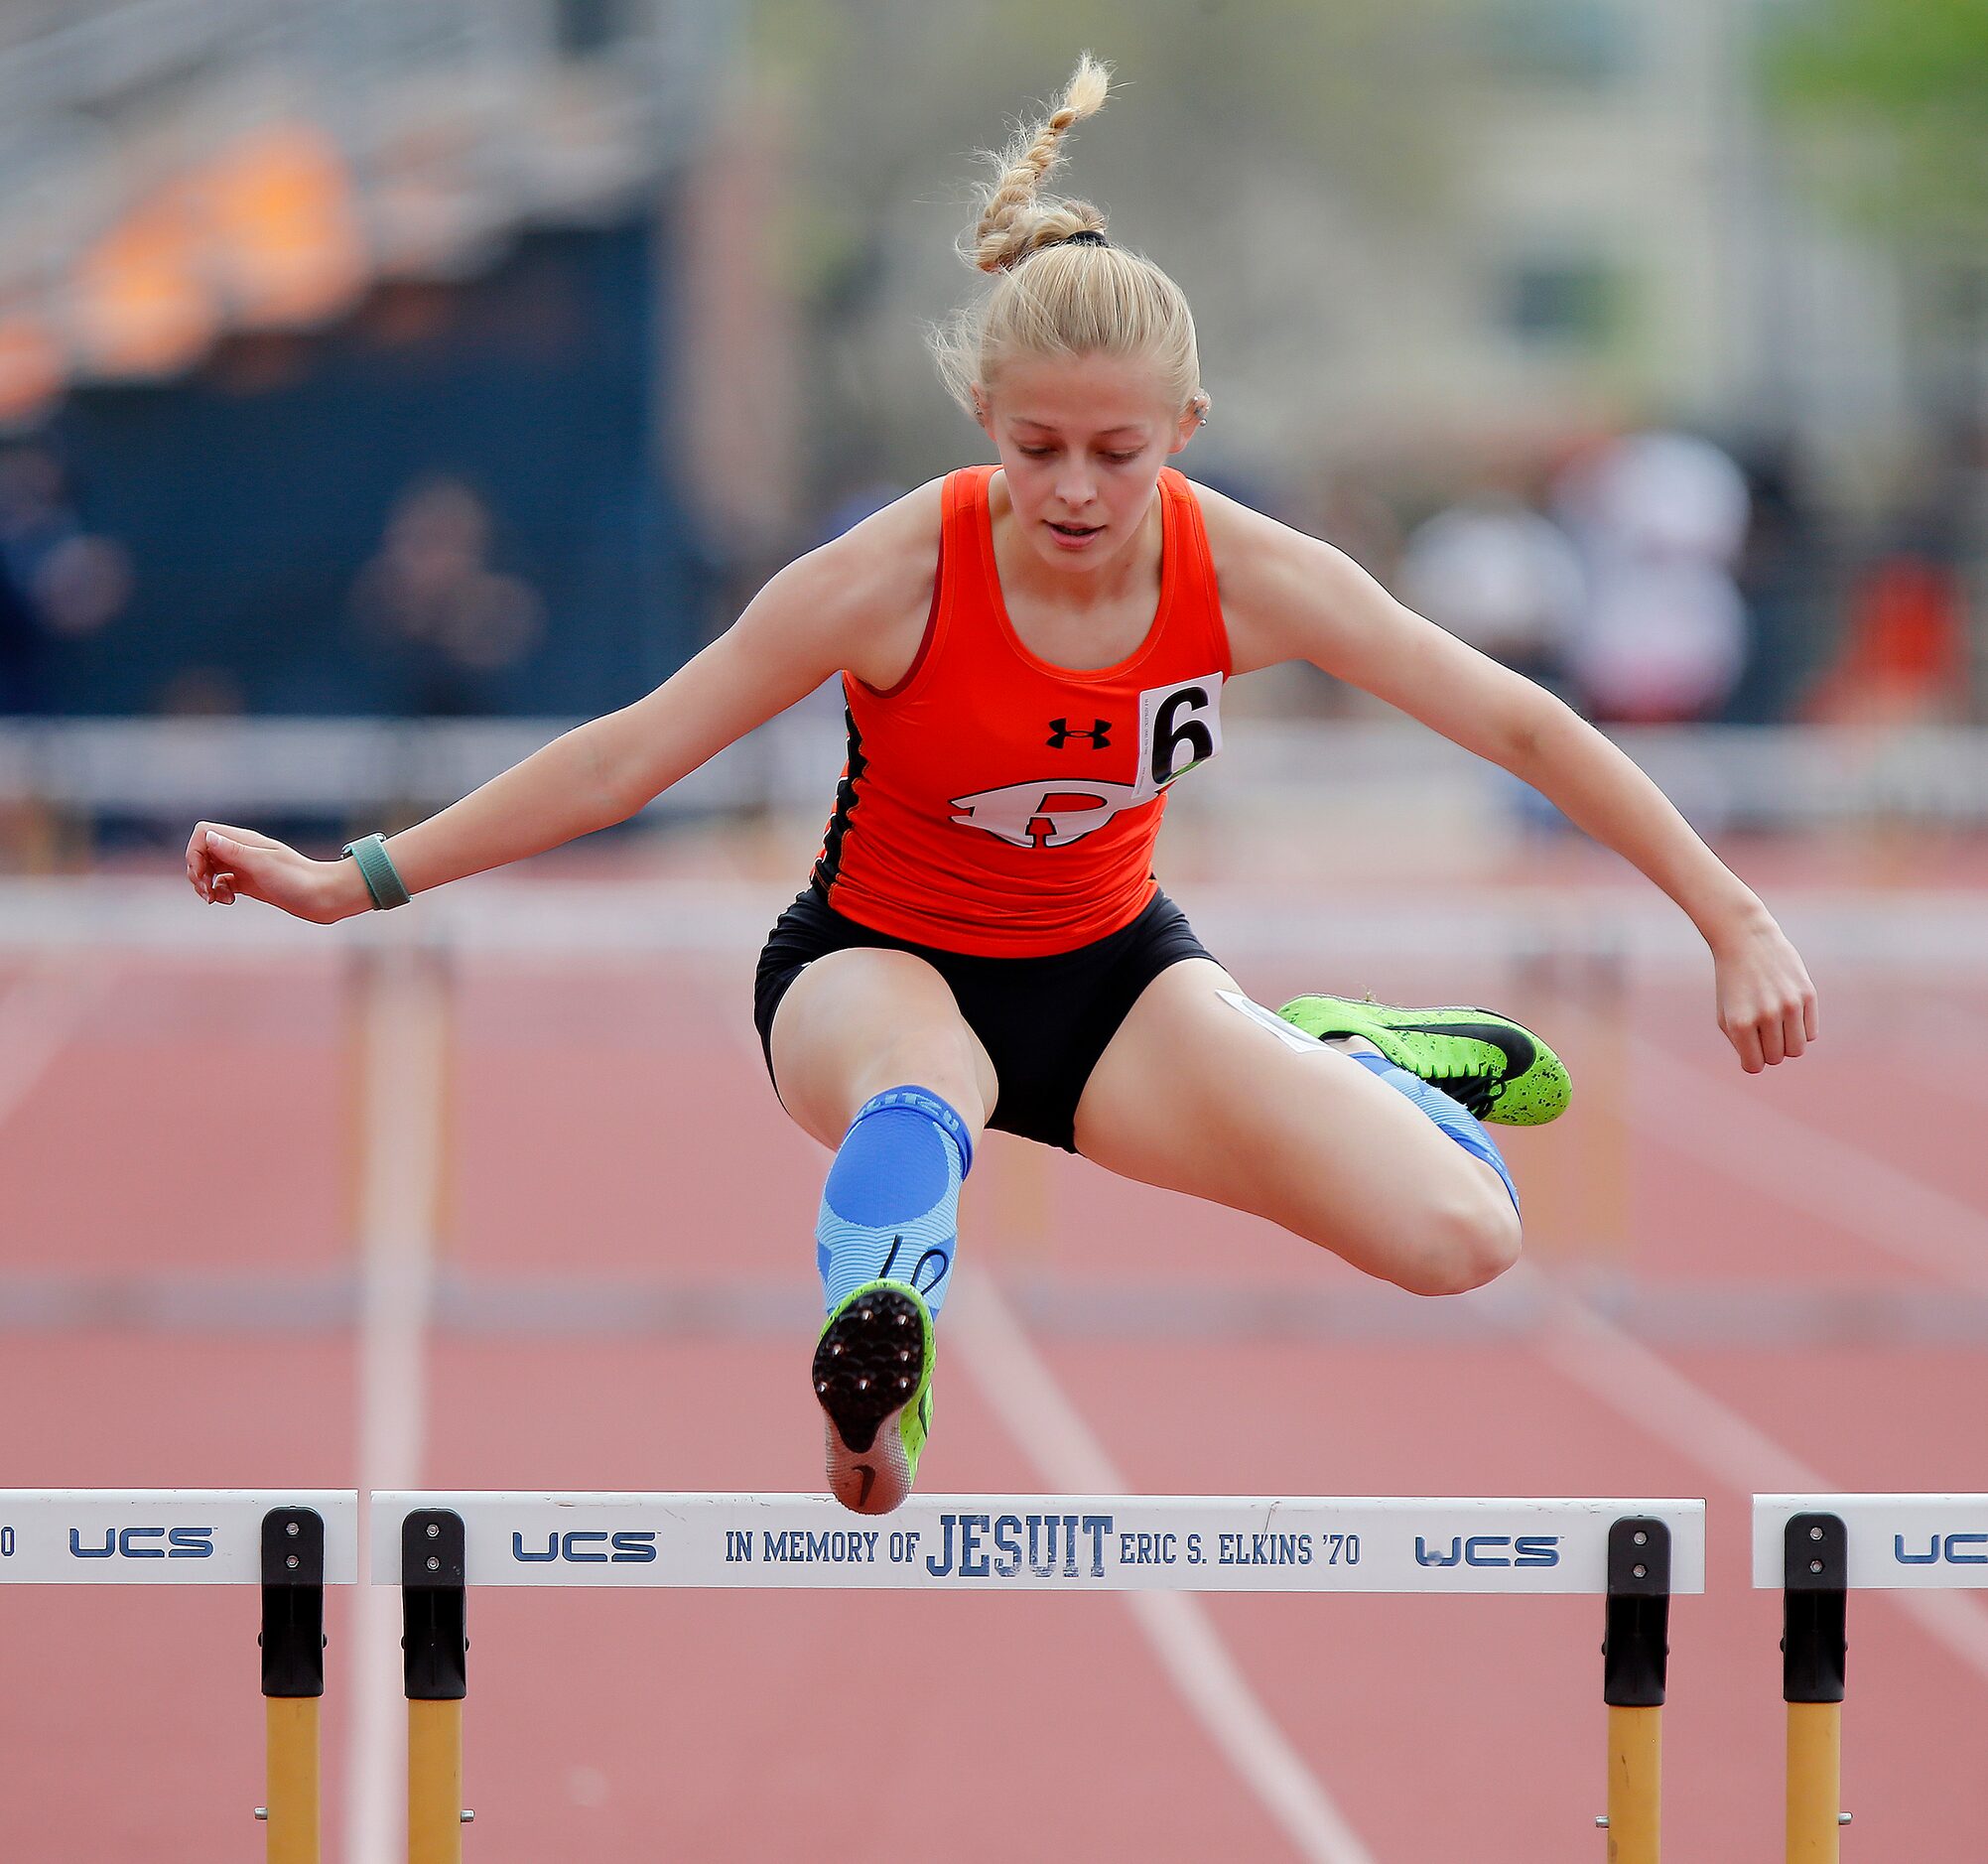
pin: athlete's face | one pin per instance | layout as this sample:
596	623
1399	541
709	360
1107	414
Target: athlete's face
1082	440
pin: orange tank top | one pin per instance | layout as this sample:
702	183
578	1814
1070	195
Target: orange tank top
996	805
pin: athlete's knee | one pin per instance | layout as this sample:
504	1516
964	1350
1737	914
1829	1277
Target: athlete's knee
938	1060
1463	1239
1446	1240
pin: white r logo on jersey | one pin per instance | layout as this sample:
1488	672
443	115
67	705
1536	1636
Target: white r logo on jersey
1180	725
1047	815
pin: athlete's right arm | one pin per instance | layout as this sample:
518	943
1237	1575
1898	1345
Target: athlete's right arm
859	603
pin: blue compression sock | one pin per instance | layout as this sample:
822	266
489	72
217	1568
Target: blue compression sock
891	1210
1458	1124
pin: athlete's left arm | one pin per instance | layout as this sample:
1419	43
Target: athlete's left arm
1289	596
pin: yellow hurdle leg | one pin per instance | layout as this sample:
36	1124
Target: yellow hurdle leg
1634	1783
1814	1781
433	1783
291	1745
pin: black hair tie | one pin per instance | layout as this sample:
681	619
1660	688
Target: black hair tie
1090	236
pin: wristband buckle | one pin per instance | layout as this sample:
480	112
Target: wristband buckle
377	869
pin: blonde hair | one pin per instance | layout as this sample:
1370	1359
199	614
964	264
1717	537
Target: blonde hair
1052	297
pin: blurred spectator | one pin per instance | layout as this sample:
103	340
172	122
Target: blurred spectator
447	622
203	693
1788	576
1660	521
1904	658
57	581
1501	577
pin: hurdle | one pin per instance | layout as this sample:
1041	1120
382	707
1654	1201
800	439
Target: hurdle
1816	1549
440	1546
290	1543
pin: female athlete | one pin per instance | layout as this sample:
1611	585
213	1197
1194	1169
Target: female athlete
1032	655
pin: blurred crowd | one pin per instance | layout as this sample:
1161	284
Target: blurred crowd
426	621
1647	577
1654	578
430	609
60	584
330	384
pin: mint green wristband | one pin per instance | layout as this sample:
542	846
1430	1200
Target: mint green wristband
376	867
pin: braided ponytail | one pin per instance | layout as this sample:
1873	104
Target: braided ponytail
1060	290
1014	222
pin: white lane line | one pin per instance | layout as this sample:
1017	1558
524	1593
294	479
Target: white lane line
38	1018
1653	1394
1039	1416
403	1017
1817	1173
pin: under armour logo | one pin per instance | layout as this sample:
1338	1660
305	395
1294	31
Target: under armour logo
1100	734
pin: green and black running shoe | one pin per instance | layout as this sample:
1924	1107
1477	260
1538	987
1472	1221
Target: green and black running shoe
873	1376
1495	1068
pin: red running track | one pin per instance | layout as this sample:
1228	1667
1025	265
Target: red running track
617	1127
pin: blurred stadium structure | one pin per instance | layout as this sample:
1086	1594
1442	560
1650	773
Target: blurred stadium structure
331	337
186	169
478	357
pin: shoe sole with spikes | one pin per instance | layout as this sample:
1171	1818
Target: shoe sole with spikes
873	1377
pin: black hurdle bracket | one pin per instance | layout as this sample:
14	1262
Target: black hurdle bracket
1636	1648
293	1602
1815	1578
433	1598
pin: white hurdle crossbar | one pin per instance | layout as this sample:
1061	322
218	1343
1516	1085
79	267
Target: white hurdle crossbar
437	1545
1040	1542
1816	1549
290	1542
162	1537
1890	1543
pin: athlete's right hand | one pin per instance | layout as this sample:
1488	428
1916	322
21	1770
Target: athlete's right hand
224	863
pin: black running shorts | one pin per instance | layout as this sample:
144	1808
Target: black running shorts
1043	1022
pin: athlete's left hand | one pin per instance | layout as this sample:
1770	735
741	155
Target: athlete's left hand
1767	1004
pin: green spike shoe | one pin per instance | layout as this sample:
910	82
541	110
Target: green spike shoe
872	1374
1495	1068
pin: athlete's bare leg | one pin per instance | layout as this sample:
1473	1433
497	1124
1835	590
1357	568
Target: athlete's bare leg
1195	1096
859	1022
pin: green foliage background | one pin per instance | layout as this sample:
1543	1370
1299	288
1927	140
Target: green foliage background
1890	102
